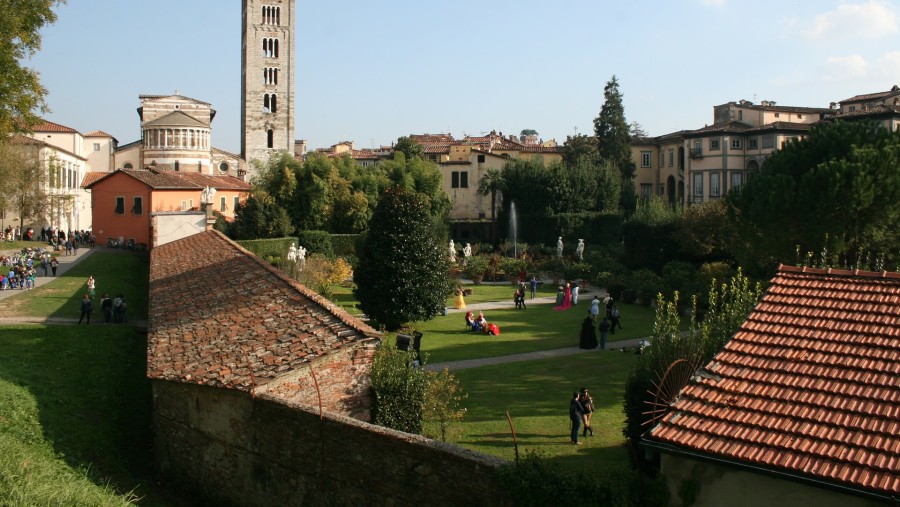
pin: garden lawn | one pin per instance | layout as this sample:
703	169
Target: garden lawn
445	337
75	416
484	293
537	394
115	272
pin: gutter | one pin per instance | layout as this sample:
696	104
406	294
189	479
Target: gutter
781	474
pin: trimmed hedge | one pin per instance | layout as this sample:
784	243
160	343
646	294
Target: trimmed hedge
345	244
274	250
316	242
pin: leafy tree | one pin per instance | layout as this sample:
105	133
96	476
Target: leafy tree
321	273
491	183
23	180
403	272
525	182
636	131
528	132
409	148
728	307
442	401
704	232
612	131
840	182
609	187
21	92
261	217
578	147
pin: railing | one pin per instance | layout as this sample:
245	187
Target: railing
696	153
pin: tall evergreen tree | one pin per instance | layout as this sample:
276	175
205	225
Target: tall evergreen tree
403	271
612	131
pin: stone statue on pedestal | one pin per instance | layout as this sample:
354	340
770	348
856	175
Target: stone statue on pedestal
579	251
292	253
559	247
452	249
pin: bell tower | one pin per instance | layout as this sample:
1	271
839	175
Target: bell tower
267	79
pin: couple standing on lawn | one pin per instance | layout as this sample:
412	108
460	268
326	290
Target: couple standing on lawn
581	407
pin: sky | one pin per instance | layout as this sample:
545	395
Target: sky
372	71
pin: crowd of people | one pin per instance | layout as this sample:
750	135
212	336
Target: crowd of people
18	271
606	326
113	310
69	240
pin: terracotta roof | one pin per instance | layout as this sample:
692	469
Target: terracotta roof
895	90
431	138
221	316
781	125
99	133
437	148
727	126
877	110
49	126
809	386
172	180
91	177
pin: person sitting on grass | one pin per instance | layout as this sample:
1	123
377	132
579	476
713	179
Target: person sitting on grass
480	323
470	321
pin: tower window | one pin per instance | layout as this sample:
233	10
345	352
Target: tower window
273	103
177	165
270	139
266	107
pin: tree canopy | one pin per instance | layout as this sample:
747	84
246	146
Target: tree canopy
836	190
612	131
403	272
409	148
21	92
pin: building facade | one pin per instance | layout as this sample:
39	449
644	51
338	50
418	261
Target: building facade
267	79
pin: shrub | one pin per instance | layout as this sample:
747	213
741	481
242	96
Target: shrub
646	285
399	386
679	276
442	402
321	273
344	245
273	250
316	242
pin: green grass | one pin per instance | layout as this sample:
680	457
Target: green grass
537	394
537	328
503	292
114	272
75	407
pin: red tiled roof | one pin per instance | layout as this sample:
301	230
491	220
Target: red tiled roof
809	386
221	316
49	126
91	177
437	148
178	180
98	133
878	110
895	90
780	125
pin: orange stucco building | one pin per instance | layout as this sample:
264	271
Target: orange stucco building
124	202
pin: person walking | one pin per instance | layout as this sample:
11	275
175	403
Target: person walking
574	292
595	308
87	306
588	335
533	285
614	319
54	263
587	403
576	415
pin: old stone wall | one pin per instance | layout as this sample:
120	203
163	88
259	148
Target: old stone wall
229	448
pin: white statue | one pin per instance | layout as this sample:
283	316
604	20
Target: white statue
579	251
559	247
467	252
452	249
292	253
207	194
301	257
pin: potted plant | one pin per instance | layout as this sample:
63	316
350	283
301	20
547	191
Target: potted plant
476	267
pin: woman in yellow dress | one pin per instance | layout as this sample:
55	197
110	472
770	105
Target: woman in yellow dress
460	302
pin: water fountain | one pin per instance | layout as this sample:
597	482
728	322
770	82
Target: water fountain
513	228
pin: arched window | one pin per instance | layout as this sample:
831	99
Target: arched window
275	52
266	103
128	166
177	166
273	103
275	76
270	138
278	16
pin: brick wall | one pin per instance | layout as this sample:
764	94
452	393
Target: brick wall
343	379
227	447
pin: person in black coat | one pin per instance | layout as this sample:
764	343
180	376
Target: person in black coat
588	334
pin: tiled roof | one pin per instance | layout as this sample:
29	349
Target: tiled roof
727	126
221	316
436	148
809	386
99	133
49	126
895	90
179	180
432	138
174	96
878	110
781	125
91	177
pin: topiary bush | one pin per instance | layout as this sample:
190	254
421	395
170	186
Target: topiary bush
399	388
316	242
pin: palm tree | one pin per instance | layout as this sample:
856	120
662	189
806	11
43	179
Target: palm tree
492	183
